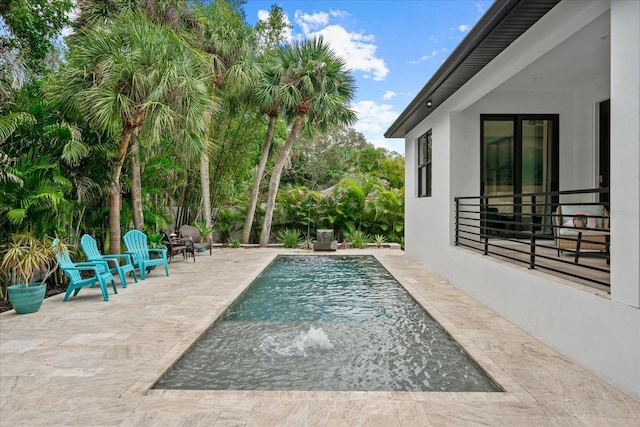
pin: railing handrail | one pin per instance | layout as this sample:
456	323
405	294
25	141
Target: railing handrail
481	226
543	193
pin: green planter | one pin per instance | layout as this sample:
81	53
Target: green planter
27	299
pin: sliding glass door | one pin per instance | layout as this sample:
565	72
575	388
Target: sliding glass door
519	155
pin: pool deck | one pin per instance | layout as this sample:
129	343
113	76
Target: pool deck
89	362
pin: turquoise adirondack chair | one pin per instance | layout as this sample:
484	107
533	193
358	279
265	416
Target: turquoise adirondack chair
101	274
122	262
136	243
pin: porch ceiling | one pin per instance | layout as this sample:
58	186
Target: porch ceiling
581	59
503	23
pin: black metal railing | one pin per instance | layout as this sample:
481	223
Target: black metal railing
529	229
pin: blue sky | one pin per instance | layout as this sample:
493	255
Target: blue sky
393	47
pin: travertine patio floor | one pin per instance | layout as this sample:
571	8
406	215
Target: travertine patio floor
89	362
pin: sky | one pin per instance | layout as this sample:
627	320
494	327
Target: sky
392	47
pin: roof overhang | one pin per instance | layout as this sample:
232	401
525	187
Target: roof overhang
501	25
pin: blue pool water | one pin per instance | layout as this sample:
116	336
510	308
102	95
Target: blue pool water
324	322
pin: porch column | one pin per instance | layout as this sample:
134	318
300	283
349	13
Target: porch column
625	152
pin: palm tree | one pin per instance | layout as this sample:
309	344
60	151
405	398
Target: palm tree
8	124
134	77
317	88
271	35
228	44
174	14
267	96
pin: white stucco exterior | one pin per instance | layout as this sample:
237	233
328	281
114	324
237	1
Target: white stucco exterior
601	333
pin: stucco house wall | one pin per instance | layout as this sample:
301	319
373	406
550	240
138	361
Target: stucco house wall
602	334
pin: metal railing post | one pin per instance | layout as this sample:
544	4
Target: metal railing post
532	249
457	220
483	224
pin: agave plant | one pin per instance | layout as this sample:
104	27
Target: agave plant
380	239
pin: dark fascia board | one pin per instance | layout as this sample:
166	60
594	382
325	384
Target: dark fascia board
460	67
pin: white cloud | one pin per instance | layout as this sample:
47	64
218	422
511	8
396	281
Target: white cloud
393	144
374	119
358	50
339	13
462	28
388	95
309	22
433	54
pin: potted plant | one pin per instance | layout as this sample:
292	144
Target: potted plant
205	232
28	258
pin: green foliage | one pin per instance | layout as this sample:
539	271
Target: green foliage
32	26
271	33
364	200
228	222
322	161
235	242
289	238
298	209
58	146
156	241
357	238
36	200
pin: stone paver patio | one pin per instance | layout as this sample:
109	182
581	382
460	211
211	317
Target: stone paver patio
89	362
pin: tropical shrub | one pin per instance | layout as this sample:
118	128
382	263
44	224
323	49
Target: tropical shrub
227	223
290	238
358	239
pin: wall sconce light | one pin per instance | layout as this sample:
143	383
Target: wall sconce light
429	104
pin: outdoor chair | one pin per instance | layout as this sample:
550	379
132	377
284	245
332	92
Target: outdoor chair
100	270
122	263
178	246
137	247
581	227
193	233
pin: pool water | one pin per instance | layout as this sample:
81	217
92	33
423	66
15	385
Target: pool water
326	322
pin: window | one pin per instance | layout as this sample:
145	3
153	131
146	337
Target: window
424	165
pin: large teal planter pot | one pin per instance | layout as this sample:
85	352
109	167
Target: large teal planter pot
27	299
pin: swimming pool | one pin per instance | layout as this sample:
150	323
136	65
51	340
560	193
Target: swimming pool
326	322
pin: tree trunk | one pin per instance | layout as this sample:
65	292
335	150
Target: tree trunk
255	188
274	184
206	194
136	190
114	192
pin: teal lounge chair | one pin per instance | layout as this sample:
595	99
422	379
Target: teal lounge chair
136	243
122	262
101	274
